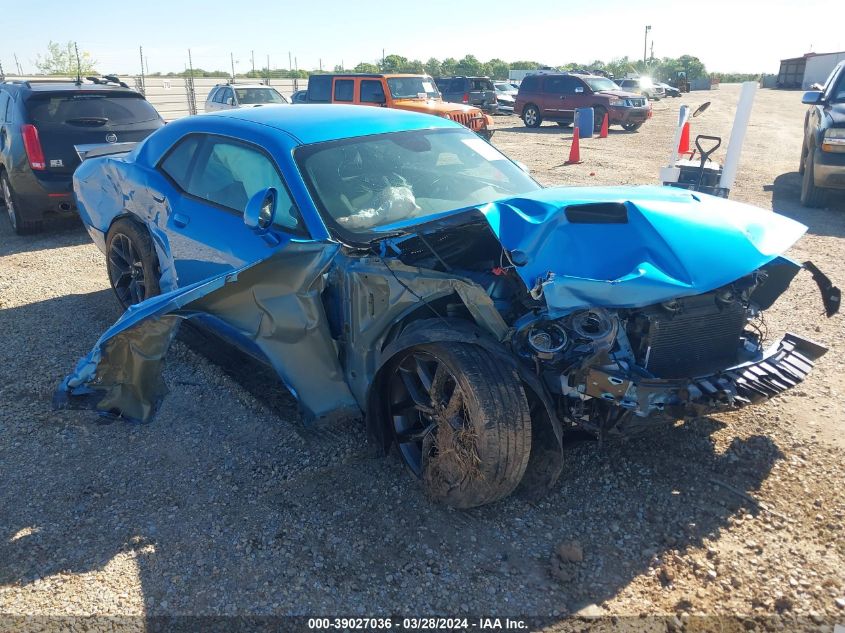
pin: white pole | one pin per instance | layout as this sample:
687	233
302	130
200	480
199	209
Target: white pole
670	173
743	114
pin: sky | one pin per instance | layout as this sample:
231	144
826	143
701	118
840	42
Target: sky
727	35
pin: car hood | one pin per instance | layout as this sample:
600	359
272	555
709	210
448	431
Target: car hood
621	94
837	114
431	106
633	246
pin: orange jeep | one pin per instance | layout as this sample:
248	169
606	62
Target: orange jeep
405	92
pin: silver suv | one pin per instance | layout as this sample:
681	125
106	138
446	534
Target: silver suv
230	96
643	85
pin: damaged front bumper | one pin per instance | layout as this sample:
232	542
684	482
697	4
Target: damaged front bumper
782	367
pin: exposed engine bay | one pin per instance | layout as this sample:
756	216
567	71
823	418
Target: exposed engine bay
609	369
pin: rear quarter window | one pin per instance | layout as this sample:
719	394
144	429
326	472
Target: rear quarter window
116	109
529	84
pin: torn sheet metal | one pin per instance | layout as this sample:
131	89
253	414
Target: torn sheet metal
671	244
274	304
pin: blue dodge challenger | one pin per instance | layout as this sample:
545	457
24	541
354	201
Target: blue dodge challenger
394	267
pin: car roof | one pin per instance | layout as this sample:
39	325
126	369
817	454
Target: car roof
255	85
316	123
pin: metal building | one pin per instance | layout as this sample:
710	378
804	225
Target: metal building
811	68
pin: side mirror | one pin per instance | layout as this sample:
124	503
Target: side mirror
700	109
230	101
260	210
811	97
579	90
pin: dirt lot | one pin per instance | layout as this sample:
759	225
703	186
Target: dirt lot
227	505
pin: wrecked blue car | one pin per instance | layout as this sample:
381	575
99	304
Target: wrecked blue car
394	267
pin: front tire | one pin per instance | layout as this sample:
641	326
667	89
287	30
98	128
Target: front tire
631	127
132	263
811	196
13	209
531	116
461	421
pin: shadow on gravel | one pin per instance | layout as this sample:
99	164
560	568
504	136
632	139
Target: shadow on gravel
786	199
68	232
227	507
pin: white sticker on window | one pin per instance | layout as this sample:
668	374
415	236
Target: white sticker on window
428	86
483	148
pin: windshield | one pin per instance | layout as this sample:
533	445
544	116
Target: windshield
505	87
259	95
369	182
599	84
421	87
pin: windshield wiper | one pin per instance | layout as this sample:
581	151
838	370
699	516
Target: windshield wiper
88	120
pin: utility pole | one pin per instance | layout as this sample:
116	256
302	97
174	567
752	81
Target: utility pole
141	53
268	70
321	64
18	65
382	59
78	64
232	58
645	44
651	55
290	63
252	54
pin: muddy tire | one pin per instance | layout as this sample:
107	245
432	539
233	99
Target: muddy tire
131	262
631	127
461	422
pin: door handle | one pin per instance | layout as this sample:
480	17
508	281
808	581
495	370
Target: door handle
181	220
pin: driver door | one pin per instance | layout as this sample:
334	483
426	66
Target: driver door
210	179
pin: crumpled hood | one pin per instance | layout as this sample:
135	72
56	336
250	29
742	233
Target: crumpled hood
671	243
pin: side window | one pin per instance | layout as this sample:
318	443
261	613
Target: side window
212	94
529	84
836	90
179	162
570	84
343	89
457	85
371	91
554	85
228	174
4	106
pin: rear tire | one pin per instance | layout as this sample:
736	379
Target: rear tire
531	116
811	196
461	421
13	209
132	263
631	127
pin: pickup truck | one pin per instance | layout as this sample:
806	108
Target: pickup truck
418	93
823	150
476	91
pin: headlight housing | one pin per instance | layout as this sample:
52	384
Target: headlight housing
834	140
618	103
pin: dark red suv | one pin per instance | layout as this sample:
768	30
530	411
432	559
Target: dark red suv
554	97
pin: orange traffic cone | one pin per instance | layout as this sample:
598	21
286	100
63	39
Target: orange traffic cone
575	150
604	126
683	145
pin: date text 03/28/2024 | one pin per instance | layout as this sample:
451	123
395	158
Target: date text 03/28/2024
417	624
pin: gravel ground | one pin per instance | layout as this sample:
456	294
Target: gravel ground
226	504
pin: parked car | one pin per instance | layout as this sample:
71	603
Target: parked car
555	97
233	95
394	266
822	163
417	93
477	91
644	86
670	91
45	125
300	96
506	96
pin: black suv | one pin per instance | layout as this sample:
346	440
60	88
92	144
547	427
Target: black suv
823	151
45	126
475	91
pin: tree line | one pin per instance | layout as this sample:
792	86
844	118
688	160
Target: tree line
61	59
